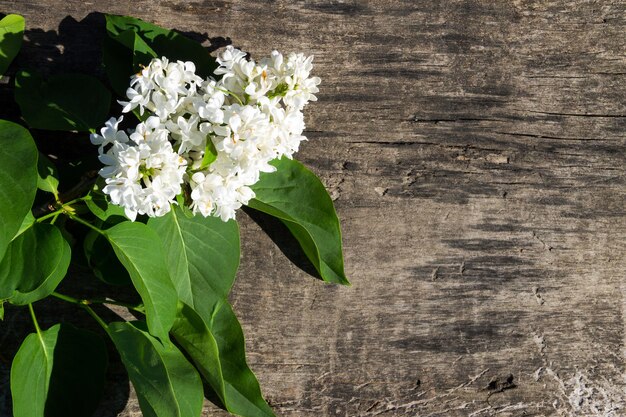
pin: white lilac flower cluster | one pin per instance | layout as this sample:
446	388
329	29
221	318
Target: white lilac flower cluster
204	141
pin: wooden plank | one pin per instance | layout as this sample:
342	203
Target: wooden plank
475	151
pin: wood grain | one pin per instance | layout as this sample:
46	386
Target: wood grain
475	151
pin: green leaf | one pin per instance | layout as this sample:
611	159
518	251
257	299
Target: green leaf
34	264
123	55
164	42
217	347
58	373
203	256
100	207
167	385
102	260
47	178
139	249
29	220
11	34
64	102
183	200
18	179
210	154
298	198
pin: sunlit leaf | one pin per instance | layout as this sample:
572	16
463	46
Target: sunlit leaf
11	34
139	249
203	256
167	385
216	345
298	198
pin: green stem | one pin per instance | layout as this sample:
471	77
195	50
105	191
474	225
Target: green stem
32	315
67	298
96	317
228	93
85	223
82	303
53	214
76	200
61	210
54	219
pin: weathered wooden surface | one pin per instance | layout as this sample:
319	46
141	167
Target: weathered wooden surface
476	152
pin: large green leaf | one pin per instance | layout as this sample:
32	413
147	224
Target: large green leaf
11	34
139	249
167	385
34	264
123	55
29	220
298	198
203	256
217	347
18	179
59	373
164	42
64	102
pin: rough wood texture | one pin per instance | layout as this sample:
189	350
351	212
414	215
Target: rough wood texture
476	155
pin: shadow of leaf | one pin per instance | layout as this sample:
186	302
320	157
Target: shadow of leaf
283	238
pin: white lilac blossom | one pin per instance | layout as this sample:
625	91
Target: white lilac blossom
204	140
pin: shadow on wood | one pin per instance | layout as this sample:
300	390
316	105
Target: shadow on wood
283	239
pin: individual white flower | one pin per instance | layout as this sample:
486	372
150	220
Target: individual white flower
202	193
209	105
163	105
141	85
192	81
299	97
110	160
109	134
275	64
234	69
136	97
260	81
187	134
228	58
